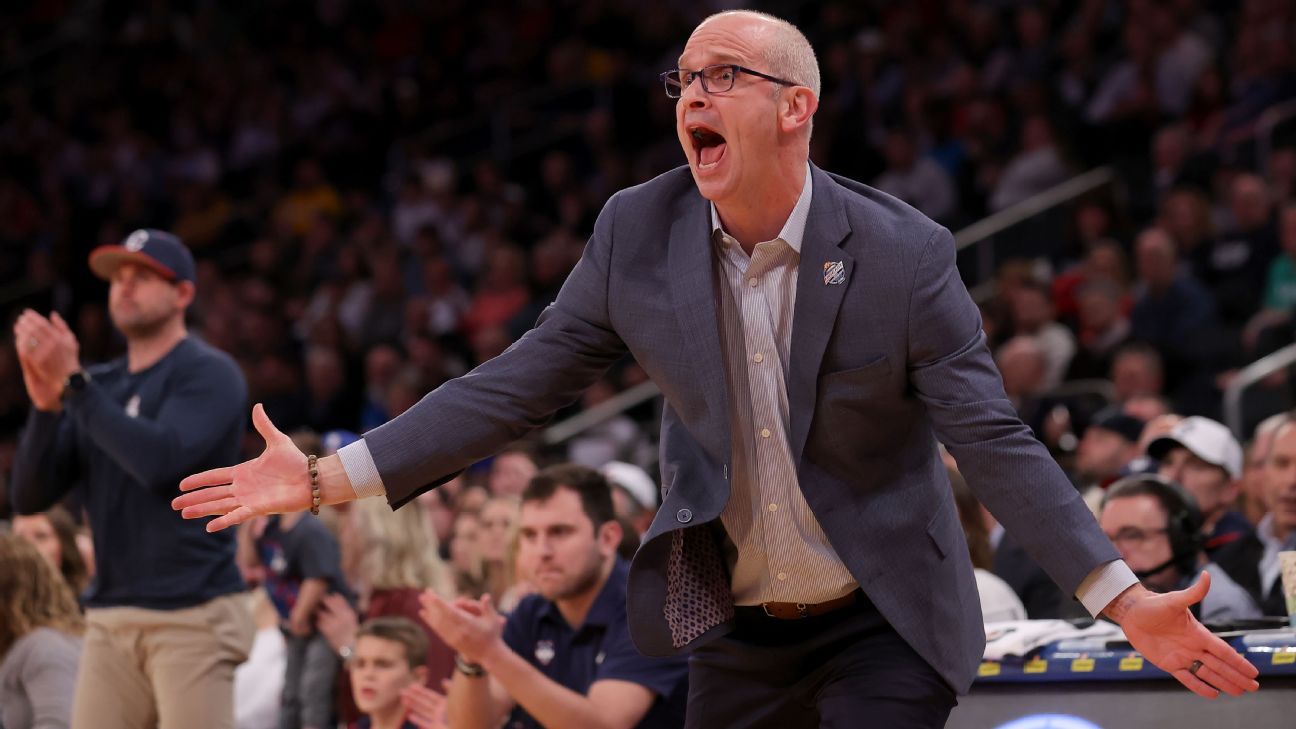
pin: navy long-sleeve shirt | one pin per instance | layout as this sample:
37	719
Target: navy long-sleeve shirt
125	441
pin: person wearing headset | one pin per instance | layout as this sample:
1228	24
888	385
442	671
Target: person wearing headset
1157	527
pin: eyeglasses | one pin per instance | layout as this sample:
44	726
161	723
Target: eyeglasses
1133	536
716	79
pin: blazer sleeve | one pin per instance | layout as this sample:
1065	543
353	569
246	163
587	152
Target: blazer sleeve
952	372
474	416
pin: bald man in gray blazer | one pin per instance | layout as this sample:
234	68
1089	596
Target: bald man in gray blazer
813	341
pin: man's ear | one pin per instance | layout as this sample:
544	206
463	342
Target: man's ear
421	673
797	108
609	536
185	292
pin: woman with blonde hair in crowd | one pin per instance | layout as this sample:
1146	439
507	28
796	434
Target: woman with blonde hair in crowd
390	558
465	555
40	639
54	535
497	544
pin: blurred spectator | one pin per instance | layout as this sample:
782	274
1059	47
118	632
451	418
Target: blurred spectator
998	601
302	565
1170	151
1235	265
259	681
1186	216
329	402
1137	371
1146	407
443	300
1252	499
437	507
40	639
634	495
466	557
1156	527
310	198
1022	364
1033	316
1205	459
1253	560
381	365
1171	308
54	536
1103	329
1105	260
1272	321
511	470
1108	446
617	438
498	551
1038	166
502	294
916	178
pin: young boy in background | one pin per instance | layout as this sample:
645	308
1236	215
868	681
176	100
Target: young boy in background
387	676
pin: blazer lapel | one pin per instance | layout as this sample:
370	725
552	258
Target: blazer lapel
820	289
691	263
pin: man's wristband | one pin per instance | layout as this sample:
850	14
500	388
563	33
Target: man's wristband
471	670
312	467
75	383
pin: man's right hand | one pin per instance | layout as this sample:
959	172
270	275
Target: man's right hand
275	482
44	388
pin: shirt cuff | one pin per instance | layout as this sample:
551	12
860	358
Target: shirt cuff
1103	585
360	470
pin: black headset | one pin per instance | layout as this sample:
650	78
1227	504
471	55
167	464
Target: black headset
1184	520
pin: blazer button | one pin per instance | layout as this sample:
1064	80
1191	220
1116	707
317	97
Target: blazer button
684	516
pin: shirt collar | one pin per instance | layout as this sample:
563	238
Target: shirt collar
1266	536
793	231
608	606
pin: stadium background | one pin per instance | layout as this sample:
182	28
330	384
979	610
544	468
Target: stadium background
381	195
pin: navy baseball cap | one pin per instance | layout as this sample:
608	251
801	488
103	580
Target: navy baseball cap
155	249
1126	426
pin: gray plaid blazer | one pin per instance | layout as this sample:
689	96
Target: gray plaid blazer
881	367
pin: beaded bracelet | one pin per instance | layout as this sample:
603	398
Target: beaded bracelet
313	468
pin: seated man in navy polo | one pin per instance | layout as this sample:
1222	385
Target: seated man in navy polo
564	656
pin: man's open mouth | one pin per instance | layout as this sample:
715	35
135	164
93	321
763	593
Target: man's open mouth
708	144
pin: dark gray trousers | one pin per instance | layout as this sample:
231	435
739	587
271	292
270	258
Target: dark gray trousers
845	669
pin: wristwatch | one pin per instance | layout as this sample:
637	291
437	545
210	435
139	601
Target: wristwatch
345	653
471	670
75	382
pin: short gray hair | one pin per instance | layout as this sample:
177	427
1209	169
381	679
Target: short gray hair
788	55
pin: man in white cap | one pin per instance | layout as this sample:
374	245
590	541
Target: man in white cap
1204	457
634	494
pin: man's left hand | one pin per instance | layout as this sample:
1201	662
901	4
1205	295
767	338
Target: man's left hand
471	627
1162	628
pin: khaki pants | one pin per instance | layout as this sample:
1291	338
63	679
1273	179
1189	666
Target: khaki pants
169	669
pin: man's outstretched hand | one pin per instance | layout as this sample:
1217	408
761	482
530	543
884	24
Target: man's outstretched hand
1162	628
274	482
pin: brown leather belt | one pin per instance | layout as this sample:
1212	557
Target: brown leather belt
799	610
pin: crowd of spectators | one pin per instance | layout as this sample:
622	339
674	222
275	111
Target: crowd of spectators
382	195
